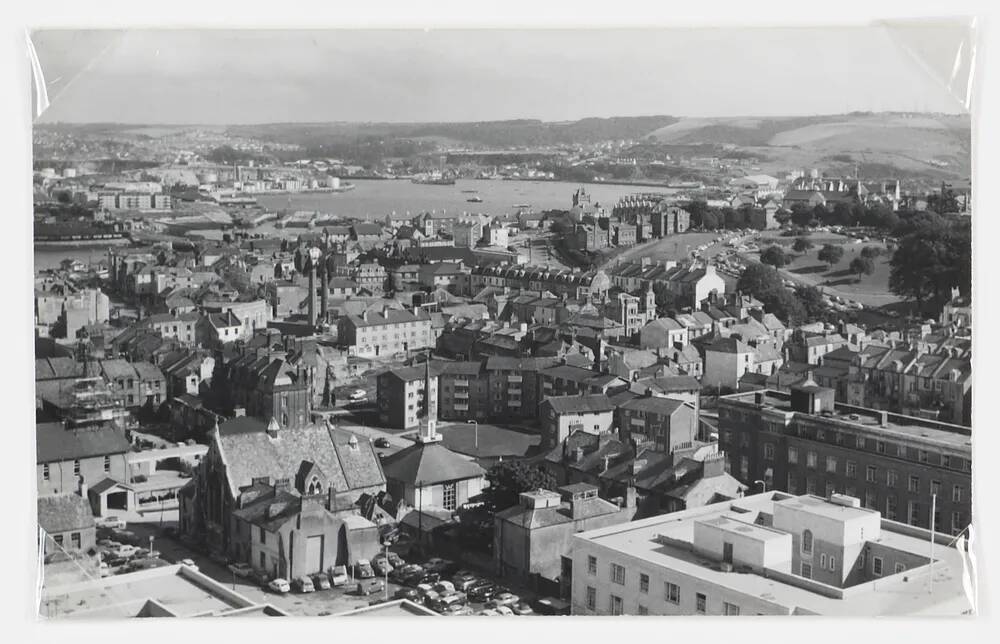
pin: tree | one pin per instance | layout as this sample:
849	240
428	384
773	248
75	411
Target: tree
697	210
830	254
932	259
509	478
871	252
665	300
802	245
710	219
774	255
862	266
811	299
765	285
802	215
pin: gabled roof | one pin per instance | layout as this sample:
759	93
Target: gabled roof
428	463
53	442
588	404
249	452
654	404
729	345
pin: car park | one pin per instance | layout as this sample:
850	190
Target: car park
320	581
241	569
338	576
303	585
279	585
369	586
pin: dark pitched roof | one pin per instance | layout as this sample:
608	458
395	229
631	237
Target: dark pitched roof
427	463
55	443
593	403
63	513
654	404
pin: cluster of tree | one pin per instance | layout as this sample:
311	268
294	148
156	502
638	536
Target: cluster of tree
934	255
843	214
775	256
228	155
765	285
509	478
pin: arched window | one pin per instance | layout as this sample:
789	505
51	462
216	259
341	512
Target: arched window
315	487
807	542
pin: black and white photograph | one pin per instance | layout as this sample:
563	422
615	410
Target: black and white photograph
509	322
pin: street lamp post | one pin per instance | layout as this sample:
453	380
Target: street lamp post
476	423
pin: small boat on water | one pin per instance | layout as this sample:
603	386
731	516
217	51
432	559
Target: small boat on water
522	205
476	199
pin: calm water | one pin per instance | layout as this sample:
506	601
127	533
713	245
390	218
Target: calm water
375	199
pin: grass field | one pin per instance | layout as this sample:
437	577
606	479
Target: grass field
872	290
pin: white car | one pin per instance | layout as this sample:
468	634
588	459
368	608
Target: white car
124	550
110	522
338	576
279	585
189	563
358	394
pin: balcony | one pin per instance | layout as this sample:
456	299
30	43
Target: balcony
461	394
458	407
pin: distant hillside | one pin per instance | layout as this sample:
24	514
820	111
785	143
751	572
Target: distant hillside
519	133
933	145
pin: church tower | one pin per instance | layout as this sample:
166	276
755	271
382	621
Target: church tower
650	301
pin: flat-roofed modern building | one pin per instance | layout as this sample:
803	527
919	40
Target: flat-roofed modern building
805	442
768	554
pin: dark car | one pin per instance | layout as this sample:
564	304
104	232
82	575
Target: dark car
401	574
382	442
429	578
413	577
483	592
407	593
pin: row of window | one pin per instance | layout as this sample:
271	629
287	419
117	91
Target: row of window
616	604
76	468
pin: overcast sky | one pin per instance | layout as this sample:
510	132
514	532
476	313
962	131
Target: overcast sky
217	77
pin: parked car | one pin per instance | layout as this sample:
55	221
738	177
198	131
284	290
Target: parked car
124	536
396	560
369	586
551	606
338	576
407	593
446	600
503	599
444	587
424	589
260	577
116	562
415	577
358	394
363	569
458	610
279	585
489	612
429	578
241	569
382	442
381	566
320	581
124	550
189	563
465	582
303	585
483	592
110	522
504	610
522	608
108	543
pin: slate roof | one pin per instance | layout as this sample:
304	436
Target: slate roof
54	368
533	518
729	345
53	442
249	452
64	513
271	511
392	316
654	404
147	371
592	403
117	369
428	463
